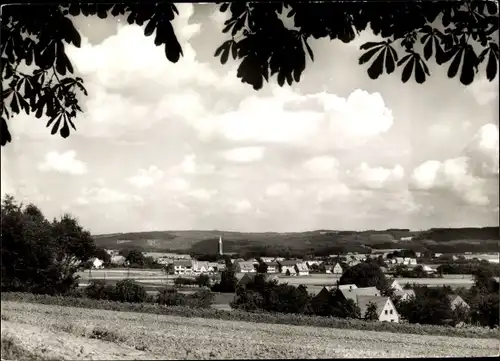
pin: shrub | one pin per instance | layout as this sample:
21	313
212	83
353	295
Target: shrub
99	290
201	299
129	291
100	333
170	297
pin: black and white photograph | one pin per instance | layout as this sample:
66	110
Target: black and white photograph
249	180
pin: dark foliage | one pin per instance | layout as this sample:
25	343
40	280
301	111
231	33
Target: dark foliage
431	306
366	275
40	256
256	37
331	303
259	294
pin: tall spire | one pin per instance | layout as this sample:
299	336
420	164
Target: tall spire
220	245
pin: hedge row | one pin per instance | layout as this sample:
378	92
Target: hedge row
259	317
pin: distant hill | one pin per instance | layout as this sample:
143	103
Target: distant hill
205	242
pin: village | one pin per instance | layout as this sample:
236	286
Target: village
320	275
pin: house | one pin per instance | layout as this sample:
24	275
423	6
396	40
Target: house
212	267
385	308
456	301
97	263
418	254
267	259
437	255
279	259
199	267
347	287
318	292
396	286
272	267
315	290
310	263
221	266
352	293
250	277
400	260
405	239
245	267
182	267
337	269
302	269
404	294
353	262
118	260
428	269
288	267
253	260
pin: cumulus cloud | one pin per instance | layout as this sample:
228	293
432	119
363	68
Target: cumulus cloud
103	195
146	177
63	163
483	152
320	120
376	177
451	175
244	154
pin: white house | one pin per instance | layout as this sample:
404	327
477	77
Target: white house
337	269
279	259
385	308
245	267
272	267
267	259
97	263
118	260
288	267
396	286
182	267
302	269
199	267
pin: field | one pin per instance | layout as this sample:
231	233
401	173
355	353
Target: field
56	332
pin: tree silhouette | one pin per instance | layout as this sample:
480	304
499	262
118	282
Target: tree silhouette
371	313
460	34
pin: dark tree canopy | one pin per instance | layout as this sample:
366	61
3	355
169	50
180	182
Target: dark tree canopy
460	35
365	275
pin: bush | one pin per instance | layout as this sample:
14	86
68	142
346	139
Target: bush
201	299
170	297
129	291
99	290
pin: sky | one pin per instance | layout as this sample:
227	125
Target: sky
164	146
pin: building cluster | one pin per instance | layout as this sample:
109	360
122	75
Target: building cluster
364	296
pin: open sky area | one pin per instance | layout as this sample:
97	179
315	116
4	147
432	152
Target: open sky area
164	146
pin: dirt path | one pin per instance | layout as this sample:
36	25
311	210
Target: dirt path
64	331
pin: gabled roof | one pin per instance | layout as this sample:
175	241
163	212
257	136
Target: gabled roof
183	263
271	264
302	267
404	292
316	290
247	266
363	301
348	286
365	291
288	263
249	277
200	264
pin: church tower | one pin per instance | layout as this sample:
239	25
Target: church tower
220	245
